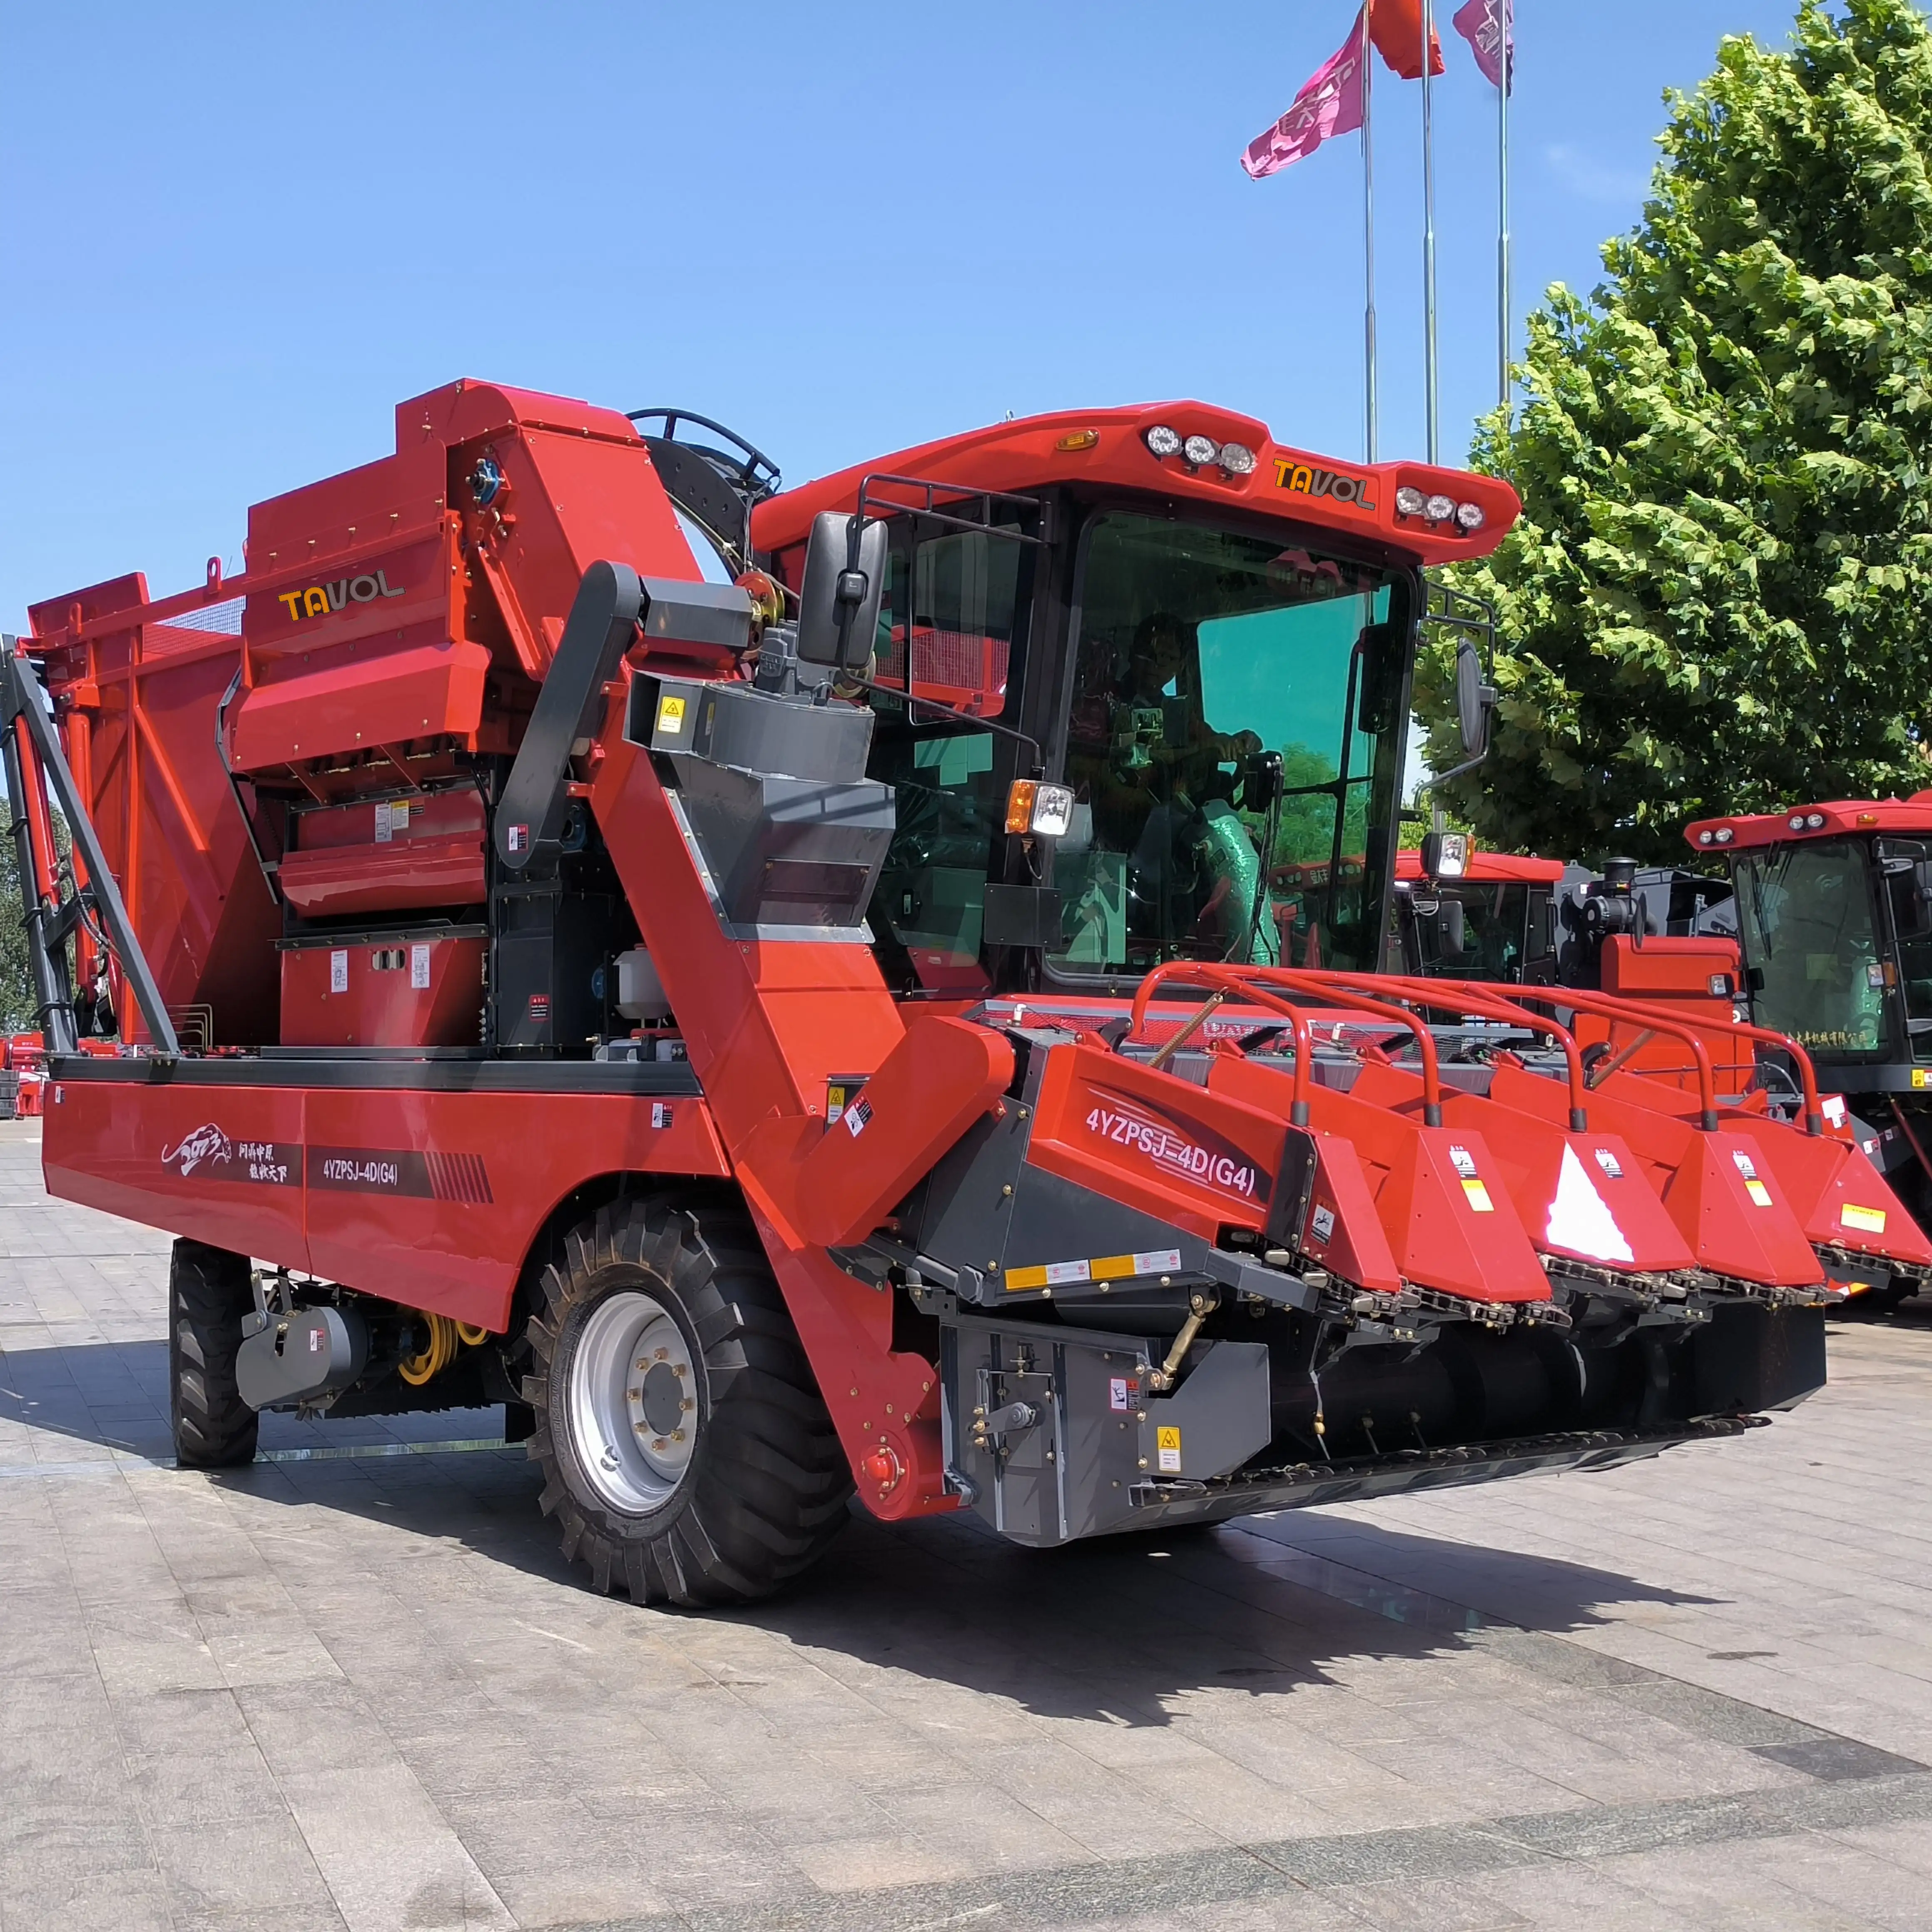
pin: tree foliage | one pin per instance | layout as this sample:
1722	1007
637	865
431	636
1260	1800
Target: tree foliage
16	985
1717	598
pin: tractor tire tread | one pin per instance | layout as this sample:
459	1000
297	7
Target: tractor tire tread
208	1294
769	1483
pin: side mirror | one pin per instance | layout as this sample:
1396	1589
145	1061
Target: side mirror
1920	904
1475	701
1449	927
840	590
1445	855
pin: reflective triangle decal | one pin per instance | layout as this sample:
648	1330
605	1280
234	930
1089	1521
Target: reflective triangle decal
1579	1218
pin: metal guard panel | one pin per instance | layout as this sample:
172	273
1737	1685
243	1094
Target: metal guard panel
1310	1486
1198	1160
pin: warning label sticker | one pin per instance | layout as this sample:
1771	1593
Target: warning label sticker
1867	1220
1478	1197
1123	1393
1167	1449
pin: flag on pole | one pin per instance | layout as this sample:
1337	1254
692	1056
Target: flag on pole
1487	26
1330	103
1396	28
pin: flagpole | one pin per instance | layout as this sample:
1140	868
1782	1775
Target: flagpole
1502	211
1368	245
1428	238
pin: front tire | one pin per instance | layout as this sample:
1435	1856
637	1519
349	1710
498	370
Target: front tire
685	1450
208	1295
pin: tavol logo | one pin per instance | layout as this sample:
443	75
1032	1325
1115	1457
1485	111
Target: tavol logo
319	599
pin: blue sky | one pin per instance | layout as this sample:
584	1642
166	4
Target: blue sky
237	236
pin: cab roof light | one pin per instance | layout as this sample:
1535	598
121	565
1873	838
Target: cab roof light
1867	818
1723	835
1199	449
1162	440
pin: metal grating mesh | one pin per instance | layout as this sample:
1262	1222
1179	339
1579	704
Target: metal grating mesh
224	618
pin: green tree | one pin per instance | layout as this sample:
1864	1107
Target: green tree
1716	597
16	985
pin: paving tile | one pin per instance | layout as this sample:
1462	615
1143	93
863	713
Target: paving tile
364	1695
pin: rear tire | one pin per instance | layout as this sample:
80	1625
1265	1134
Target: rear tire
208	1295
686	1452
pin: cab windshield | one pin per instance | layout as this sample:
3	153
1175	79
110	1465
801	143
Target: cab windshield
1233	746
1804	917
1492	937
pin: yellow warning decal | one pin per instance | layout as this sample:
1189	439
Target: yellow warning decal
1920	1077
1167	1450
1759	1193
671	713
1478	1196
1867	1220
1108	1267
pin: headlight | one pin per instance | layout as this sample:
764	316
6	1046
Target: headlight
1703	839
1439	509
1410	501
1723	835
1237	458
1200	449
1163	441
1470	516
1796	821
1033	806
1052	811
1814	821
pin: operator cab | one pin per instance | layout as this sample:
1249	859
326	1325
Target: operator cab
1139	698
1494	921
1834	918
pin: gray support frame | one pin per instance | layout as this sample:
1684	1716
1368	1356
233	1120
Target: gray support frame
22	696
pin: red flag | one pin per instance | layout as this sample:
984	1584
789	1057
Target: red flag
1396	28
1330	103
1486	24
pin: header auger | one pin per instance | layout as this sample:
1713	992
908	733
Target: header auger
870	985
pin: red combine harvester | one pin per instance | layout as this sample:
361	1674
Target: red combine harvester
1834	909
785	990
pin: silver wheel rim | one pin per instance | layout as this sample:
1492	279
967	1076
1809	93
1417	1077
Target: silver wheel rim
632	1402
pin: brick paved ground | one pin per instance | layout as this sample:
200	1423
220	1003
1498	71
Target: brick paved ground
363	1692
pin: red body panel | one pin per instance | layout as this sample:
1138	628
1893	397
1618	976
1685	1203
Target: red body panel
1202	1160
430	1198
422	993
1715	1204
1449	1222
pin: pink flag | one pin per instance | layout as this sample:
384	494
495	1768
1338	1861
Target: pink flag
1486	24
1330	103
